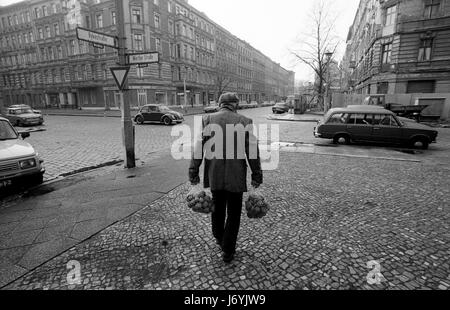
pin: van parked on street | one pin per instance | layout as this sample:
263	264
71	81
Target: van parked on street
372	124
18	159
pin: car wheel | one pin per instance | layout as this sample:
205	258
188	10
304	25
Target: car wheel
167	121
139	120
18	123
420	142
341	139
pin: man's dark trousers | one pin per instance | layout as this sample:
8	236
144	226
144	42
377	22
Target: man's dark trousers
226	231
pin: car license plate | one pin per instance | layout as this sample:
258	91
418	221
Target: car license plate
5	183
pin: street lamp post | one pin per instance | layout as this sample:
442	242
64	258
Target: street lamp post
327	101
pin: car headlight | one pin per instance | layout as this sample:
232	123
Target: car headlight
27	164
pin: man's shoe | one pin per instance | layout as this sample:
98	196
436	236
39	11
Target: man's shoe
228	258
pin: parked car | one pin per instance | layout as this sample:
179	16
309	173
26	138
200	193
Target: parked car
24	106
155	113
372	124
280	108
18	159
23	116
212	108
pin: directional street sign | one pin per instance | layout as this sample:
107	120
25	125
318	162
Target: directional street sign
120	75
143	58
96	37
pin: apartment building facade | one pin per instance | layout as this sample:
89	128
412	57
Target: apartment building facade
43	64
399	47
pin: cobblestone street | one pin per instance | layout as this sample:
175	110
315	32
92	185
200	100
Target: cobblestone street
338	213
330	216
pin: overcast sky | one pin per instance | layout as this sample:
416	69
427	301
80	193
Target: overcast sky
271	26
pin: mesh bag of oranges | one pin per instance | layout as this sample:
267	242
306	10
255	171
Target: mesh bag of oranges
256	205
200	200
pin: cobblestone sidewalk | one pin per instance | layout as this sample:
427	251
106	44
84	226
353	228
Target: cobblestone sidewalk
330	217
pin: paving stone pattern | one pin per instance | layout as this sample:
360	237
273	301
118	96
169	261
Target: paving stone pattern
330	216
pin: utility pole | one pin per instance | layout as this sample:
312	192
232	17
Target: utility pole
127	123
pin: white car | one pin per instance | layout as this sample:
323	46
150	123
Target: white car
18	159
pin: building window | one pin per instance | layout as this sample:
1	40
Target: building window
104	71
47	32
432	8
391	15
99	20
157	21
158	44
171	28
50	53
156	2
140	72
169	6
41	33
425	49
113	18
44	11
138	44
386	53
37	12
60	52
418	87
172	50
56	26
382	88
136	16
72	47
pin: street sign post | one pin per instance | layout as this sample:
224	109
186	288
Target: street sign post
143	58
99	39
120	75
128	130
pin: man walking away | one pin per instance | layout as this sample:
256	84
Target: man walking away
227	177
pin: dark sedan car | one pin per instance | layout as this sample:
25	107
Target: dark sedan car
154	113
213	108
281	108
373	124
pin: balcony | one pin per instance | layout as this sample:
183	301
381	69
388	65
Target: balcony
435	65
408	26
181	17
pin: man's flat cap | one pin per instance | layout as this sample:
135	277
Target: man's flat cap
229	98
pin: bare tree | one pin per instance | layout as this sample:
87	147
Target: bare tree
314	46
223	78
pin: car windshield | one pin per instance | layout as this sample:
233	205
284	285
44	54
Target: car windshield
24	111
7	132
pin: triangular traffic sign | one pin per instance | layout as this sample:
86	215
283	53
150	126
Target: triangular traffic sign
120	75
